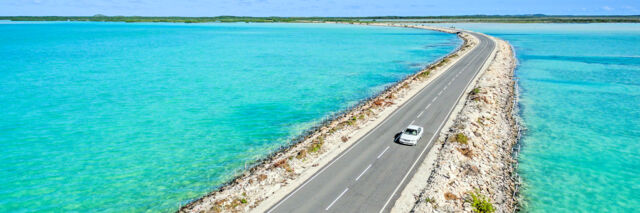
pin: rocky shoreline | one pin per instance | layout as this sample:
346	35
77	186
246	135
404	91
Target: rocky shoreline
471	166
266	183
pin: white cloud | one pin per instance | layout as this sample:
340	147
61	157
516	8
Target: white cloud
607	8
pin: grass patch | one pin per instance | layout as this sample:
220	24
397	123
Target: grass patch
461	138
480	203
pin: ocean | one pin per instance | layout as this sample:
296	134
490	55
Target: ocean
137	117
580	102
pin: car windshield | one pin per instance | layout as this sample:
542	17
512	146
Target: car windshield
411	132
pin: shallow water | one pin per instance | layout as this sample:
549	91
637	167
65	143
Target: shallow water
580	99
140	117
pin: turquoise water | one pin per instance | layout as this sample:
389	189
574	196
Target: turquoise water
580	99
140	117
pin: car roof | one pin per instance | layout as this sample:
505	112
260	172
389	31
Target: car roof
413	127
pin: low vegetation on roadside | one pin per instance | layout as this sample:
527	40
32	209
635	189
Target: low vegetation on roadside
461	138
480	203
475	91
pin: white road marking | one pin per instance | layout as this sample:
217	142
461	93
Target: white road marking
382	153
420	114
448	84
434	99
439	93
437	132
427	107
334	201
412	122
365	170
445	87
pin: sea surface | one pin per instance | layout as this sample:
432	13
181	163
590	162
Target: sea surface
580	101
117	117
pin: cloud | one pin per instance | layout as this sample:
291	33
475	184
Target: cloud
607	8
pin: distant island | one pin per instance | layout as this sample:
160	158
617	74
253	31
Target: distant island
535	18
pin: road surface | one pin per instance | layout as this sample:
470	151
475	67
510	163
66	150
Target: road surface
370	175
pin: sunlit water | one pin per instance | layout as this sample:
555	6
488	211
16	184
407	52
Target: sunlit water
580	101
140	117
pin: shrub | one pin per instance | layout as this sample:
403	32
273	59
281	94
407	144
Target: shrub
429	200
315	147
317	144
301	154
424	74
243	200
480	203
450	196
461	138
280	163
466	152
475	91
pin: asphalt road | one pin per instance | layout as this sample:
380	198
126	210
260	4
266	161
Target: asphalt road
370	175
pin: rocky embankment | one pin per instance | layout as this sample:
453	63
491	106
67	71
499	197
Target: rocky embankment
264	185
471	166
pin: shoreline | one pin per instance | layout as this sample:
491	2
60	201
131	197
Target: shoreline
274	177
282	171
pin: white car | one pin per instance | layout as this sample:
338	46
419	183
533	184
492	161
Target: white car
411	135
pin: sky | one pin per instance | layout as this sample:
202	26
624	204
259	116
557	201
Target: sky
315	7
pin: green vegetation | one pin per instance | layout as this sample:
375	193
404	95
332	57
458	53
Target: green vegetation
480	203
401	19
352	121
317	144
429	200
461	138
243	200
424	74
475	91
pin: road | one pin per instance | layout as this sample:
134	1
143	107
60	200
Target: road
370	175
